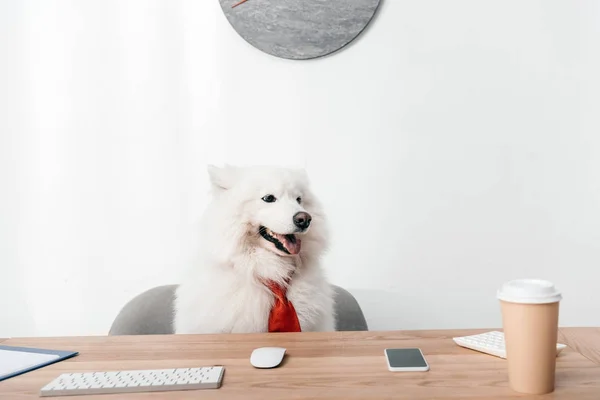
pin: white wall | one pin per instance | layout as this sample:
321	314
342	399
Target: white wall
455	145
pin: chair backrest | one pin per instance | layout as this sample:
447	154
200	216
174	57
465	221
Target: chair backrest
151	312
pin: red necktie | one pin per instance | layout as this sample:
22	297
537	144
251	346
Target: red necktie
283	317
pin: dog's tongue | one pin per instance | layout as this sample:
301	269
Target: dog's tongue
290	242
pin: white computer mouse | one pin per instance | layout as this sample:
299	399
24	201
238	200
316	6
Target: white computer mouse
267	357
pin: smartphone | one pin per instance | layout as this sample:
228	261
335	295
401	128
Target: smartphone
406	360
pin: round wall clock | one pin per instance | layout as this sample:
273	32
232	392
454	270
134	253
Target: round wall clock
299	29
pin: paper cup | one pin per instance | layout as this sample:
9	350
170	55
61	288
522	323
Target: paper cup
530	323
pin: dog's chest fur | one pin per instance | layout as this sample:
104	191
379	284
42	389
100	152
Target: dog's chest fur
221	301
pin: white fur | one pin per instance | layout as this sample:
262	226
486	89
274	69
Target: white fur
223	293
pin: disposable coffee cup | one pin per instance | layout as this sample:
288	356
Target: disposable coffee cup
530	323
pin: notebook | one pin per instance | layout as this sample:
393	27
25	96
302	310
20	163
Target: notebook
18	360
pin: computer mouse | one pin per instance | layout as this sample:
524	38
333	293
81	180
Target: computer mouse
267	357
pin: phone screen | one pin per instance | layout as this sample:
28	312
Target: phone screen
405	358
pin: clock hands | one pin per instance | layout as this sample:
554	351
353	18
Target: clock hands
238	3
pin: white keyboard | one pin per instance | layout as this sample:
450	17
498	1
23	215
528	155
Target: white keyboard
490	343
151	380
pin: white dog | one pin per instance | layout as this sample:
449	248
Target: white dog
263	231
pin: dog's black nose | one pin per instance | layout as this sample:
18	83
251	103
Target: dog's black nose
302	220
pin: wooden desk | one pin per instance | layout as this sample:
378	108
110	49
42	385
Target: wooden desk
341	365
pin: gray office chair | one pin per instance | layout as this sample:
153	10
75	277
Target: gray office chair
151	312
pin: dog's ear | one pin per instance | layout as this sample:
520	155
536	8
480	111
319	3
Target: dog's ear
222	178
302	174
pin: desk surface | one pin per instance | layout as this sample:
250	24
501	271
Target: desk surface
340	365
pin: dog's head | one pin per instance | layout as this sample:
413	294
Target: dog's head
268	207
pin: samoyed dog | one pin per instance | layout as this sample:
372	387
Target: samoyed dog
264	228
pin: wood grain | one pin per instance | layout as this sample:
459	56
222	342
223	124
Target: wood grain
338	365
583	340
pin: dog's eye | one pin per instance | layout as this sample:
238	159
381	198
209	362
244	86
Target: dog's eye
299	200
269	198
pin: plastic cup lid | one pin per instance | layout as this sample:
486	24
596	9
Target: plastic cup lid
529	291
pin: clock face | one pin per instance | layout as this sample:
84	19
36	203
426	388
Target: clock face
299	29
